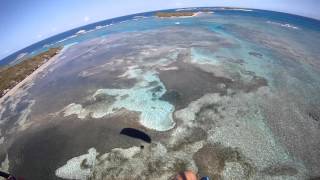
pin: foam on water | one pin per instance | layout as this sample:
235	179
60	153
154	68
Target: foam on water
287	25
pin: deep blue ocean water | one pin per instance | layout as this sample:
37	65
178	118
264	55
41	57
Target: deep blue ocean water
60	39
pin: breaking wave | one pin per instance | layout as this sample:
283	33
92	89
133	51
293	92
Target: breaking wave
287	25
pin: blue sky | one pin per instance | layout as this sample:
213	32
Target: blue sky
24	22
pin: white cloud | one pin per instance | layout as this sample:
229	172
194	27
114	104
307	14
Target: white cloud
39	36
86	19
178	4
53	29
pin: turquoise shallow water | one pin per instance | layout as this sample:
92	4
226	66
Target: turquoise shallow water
155	113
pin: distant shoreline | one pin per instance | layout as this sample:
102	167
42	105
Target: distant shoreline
308	21
175	14
12	78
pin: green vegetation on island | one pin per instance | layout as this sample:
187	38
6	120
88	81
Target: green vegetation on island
10	76
174	14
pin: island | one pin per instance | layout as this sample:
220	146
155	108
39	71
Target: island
10	76
174	14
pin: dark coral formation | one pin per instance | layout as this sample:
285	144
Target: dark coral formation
211	160
189	83
255	54
280	170
314	114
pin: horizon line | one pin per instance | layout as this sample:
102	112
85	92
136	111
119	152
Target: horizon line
236	7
